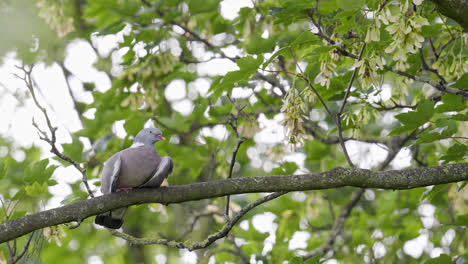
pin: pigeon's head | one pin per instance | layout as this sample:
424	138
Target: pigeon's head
149	136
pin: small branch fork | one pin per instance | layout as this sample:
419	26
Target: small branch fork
27	78
12	250
14	257
240	140
223	232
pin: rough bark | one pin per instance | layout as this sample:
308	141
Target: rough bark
336	178
455	9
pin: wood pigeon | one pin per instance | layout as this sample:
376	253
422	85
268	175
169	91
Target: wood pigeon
135	167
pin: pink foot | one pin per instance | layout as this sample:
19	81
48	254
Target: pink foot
125	189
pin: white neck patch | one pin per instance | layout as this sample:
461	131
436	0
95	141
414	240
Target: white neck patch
136	145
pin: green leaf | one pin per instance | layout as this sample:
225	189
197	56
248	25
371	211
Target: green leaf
281	51
451	102
425	110
431	30
460	117
135	123
414	119
35	172
455	152
296	260
442	259
36	189
461	220
306	37
435	194
52	182
3	169
18	214
74	197
461	83
314	260
248	66
203	6
74	150
350	4
428	137
128	57
18	194
286	168
446	127
223	257
257	45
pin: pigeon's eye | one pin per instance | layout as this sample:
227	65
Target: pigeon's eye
151	132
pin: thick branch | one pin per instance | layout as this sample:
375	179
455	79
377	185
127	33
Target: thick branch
455	9
336	178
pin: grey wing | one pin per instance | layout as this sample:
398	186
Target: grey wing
110	174
163	171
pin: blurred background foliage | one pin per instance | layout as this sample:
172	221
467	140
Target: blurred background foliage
163	43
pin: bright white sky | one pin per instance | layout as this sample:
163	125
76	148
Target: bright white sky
15	120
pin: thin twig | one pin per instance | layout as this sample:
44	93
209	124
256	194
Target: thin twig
434	51
66	75
194	222
78	223
240	140
231	168
209	240
330	207
311	86
53	138
338	115
339	224
25	249
426	67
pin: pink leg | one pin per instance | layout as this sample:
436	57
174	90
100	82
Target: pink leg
125	189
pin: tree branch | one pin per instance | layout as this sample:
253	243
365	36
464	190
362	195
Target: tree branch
210	239
336	178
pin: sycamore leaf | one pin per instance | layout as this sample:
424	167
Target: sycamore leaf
247	66
428	137
3	169
442	259
451	102
281	51
350	4
74	150
202	6
455	152
414	119
36	189
135	123
461	83
258	45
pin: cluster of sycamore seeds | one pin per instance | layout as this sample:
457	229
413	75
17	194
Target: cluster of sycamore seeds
452	63
405	28
53	13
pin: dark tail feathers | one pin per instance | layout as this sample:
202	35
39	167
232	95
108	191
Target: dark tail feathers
108	221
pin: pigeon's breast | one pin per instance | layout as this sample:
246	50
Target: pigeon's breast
138	165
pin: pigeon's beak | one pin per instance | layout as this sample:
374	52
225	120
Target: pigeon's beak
162	138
